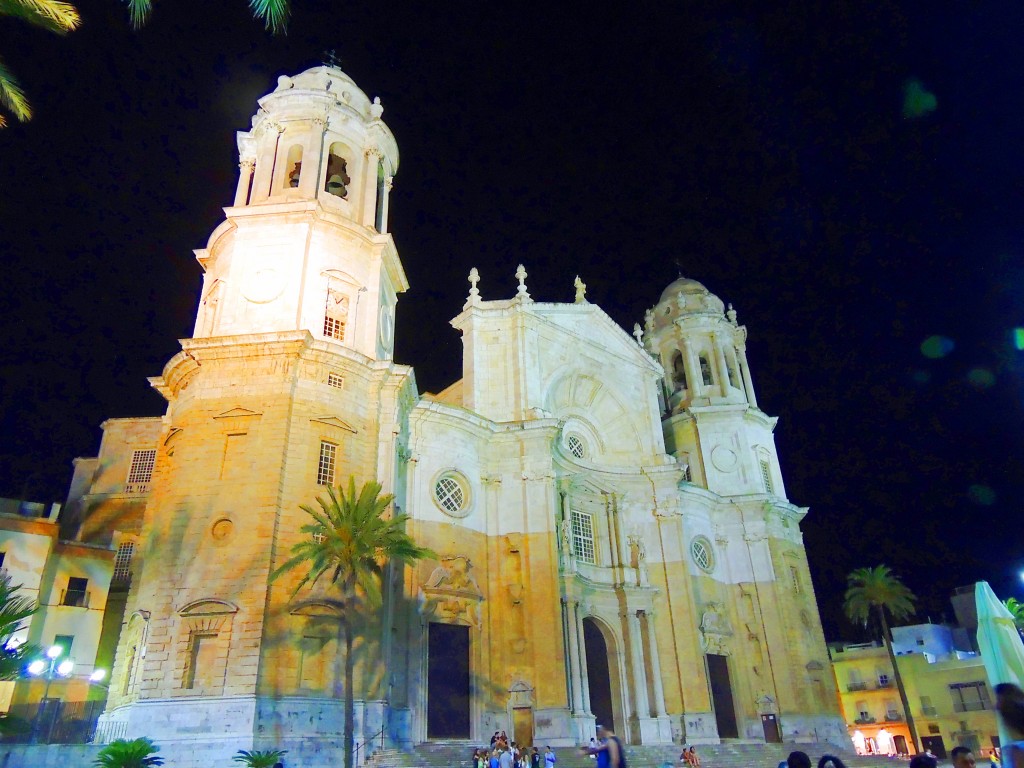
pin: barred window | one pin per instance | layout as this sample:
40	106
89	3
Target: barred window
794	576
766	476
576	446
583	536
334	328
123	561
141	471
449	494
335	380
328	457
700	551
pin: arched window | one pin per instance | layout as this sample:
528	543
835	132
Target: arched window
293	167
337	172
678	371
705	371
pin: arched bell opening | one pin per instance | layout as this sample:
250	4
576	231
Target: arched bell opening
293	167
337	180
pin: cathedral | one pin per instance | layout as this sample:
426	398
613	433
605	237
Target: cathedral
614	542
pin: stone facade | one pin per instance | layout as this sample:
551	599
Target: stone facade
614	538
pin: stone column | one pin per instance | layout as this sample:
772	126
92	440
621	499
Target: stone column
575	676
748	385
693	375
723	368
636	652
372	157
659	687
313	158
245	172
584	676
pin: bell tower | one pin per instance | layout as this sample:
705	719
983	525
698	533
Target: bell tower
286	387
305	245
712	424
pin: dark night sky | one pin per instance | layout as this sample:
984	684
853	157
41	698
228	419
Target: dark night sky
763	146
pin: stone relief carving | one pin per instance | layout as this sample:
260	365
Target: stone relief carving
714	630
451	593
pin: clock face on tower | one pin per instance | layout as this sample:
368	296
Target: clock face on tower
262	285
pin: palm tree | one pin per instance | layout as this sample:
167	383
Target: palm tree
273	12
14	609
52	15
877	592
259	759
137	753
1016	609
350	541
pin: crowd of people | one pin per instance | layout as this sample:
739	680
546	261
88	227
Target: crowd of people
505	754
609	751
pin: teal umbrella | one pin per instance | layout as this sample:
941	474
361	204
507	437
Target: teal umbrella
999	642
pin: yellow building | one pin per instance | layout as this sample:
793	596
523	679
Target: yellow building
71	583
947	690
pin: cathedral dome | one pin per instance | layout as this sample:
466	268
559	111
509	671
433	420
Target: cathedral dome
687	296
331	79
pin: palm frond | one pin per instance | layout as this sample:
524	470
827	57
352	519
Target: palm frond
273	12
876	588
138	11
12	98
53	15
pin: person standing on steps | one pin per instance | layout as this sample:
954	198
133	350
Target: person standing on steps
609	752
549	757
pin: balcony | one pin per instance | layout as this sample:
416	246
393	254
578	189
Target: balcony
136	489
856	686
886	682
893	717
928	711
75	598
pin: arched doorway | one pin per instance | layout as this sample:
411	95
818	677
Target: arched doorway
602	676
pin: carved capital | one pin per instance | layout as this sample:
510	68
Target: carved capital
374	152
247	164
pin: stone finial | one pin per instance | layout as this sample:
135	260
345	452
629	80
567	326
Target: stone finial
649	321
474	278
521	277
638	334
731	314
376	109
581	290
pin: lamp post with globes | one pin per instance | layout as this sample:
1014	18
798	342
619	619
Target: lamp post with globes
53	666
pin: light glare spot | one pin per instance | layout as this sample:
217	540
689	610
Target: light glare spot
1018	338
981	378
982	494
935	347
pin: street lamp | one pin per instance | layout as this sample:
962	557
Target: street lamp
39	667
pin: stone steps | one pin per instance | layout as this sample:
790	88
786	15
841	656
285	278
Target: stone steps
726	755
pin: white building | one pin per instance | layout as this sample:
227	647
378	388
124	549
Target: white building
616	542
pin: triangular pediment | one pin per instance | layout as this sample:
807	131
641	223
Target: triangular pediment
593	330
334	421
237	411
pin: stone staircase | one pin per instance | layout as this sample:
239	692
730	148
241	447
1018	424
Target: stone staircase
457	754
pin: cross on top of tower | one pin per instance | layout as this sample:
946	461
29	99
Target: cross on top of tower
331	59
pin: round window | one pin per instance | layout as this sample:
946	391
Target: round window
451	494
700	549
575	445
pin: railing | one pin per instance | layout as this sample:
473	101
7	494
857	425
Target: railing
928	711
856	686
55	722
368	742
136	488
894	717
75	598
886	682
